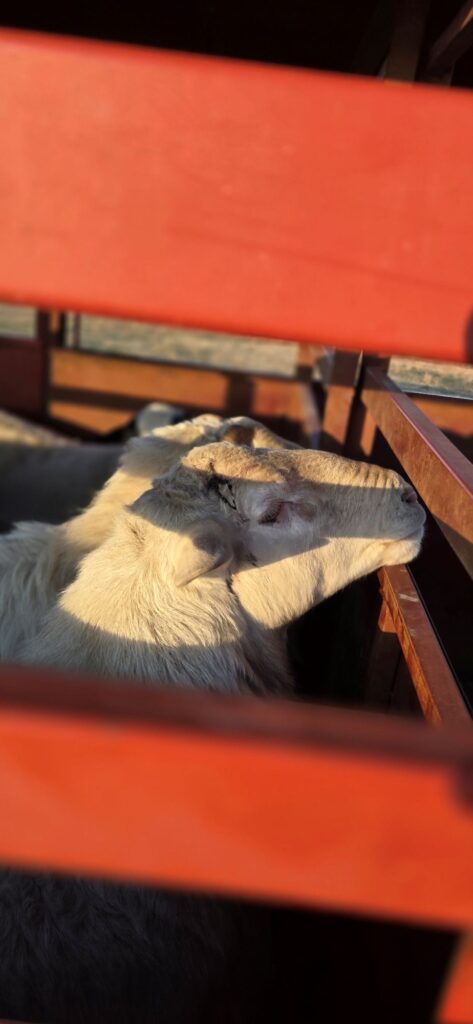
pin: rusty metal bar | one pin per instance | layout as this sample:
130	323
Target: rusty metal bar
432	678
440	473
112	781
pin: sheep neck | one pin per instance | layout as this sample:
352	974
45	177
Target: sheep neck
118	618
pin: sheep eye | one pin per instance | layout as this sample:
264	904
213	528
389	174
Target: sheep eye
272	515
226	492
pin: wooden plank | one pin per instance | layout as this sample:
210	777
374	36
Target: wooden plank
105	392
363	433
22	376
383	662
455	40
50	327
440	473
261	798
306	410
432	677
102	391
79	375
239	197
453	416
339	401
456	1004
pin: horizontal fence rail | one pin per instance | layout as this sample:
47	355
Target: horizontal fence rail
259	798
103	391
238	197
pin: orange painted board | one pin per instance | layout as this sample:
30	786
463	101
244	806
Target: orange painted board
236	197
264	799
456	1004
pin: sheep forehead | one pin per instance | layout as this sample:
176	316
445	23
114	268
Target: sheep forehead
325	468
228	460
265	465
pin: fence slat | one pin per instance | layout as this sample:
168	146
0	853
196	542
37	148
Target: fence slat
235	196
261	798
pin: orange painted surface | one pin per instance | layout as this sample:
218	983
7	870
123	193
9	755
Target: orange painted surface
298	821
238	197
456	1006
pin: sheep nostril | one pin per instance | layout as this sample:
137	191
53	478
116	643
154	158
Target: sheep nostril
408	495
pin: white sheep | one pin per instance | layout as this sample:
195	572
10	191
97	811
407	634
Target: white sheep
37	560
203	573
47	476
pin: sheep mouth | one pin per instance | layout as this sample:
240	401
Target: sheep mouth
415	535
416	532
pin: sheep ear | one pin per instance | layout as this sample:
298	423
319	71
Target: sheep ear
207	546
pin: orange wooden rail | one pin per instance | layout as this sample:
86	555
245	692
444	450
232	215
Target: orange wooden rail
235	196
102	392
456	1006
261	798
440	473
435	685
443	476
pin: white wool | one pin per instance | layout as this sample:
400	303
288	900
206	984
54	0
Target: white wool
201	576
38	561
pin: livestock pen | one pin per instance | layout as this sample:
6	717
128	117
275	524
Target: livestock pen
271	202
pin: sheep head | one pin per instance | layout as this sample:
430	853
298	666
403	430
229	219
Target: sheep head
146	458
285	528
